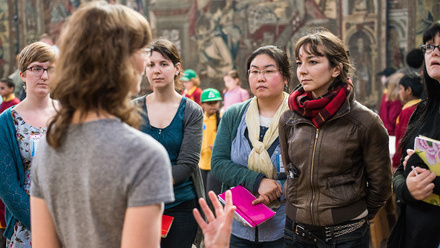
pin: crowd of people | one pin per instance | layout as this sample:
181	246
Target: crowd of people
84	163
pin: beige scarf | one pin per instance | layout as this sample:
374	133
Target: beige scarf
259	159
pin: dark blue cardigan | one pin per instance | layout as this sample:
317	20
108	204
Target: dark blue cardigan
12	176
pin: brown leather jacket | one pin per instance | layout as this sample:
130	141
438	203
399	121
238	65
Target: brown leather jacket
338	171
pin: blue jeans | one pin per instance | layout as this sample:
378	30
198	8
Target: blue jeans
184	227
237	242
359	238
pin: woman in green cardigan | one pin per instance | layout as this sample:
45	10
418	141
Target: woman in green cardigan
246	150
20	129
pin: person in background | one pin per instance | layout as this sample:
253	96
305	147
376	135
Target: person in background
19	89
97	181
411	90
191	85
246	150
421	223
7	93
335	151
414	61
233	92
176	122
391	105
211	107
47	39
384	75
21	128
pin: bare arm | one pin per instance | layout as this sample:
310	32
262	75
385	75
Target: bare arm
142	227
43	228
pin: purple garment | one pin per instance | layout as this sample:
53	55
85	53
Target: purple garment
236	95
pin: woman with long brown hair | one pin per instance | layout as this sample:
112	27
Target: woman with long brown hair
335	151
176	122
96	181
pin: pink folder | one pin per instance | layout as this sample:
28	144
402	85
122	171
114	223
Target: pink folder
249	214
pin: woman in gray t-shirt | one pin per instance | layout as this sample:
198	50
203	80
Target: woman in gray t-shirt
97	181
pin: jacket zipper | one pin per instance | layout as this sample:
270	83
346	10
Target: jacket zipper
311	177
313	160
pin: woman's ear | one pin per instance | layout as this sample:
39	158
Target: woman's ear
178	67
22	76
337	70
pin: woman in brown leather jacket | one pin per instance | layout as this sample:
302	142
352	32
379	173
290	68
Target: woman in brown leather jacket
334	149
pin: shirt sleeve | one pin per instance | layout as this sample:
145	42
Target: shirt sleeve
377	166
15	198
222	167
189	154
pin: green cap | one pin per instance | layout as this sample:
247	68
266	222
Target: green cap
188	75
210	95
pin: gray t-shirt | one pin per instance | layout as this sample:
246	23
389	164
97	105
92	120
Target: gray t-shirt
102	168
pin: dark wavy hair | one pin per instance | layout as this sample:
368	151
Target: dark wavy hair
96	72
432	87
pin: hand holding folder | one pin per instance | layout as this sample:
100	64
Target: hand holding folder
251	215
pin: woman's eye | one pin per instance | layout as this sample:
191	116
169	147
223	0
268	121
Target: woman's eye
298	62
313	62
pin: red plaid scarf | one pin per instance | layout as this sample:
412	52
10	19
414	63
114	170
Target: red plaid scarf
318	110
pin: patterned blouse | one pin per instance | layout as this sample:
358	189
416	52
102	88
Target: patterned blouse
27	137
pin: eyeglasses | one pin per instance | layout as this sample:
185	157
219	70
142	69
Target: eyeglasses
38	70
146	51
265	72
429	48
